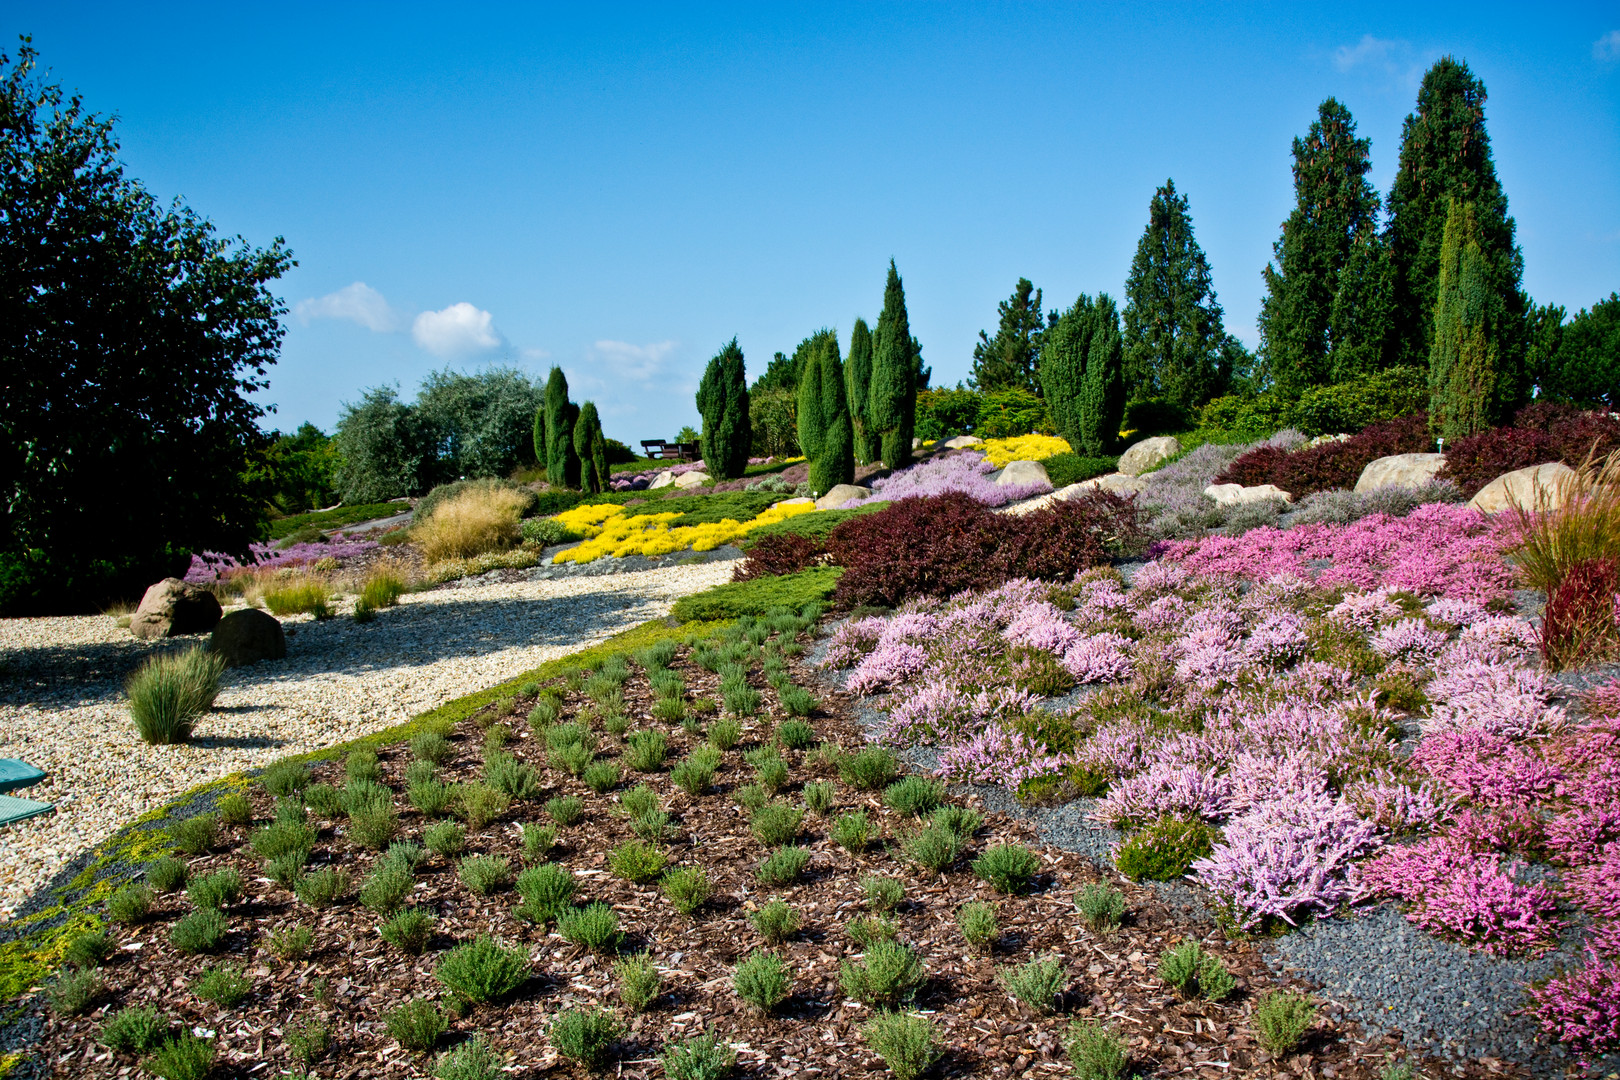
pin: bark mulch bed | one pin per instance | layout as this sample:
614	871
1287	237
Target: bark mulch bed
352	977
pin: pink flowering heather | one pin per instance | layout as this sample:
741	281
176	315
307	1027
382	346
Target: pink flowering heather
1099	603
1098	658
1499	829
1454	889
1409	639
1398	808
853	640
1041	626
1456	612
1118	749
1317	680
889	663
212	566
1596	886
1494	639
1365	612
1278	640
997	755
1493	698
1262	777
1162	790
1207	658
1285	858
1582	1009
969	473
1484	767
1164	613
943	712
1583	833
1158	578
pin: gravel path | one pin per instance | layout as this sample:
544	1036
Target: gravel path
62	707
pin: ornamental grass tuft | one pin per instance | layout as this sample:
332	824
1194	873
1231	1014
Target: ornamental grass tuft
170	691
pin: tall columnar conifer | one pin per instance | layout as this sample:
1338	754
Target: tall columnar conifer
562	462
892	404
540	434
1446	155
722	400
825	433
1081	372
591	449
1467	318
1175	344
1334	205
858	377
1011	359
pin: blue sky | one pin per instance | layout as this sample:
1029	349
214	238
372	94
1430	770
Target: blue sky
620	190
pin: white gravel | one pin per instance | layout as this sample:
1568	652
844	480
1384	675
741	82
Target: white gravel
62	706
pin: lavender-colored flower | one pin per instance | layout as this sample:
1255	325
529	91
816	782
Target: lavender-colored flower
853	640
1364	612
212	566
968	472
1494	639
1163	613
1496	699
1397	807
1164	789
1041	626
1157	578
1278	640
1409	639
1455	611
1098	658
889	663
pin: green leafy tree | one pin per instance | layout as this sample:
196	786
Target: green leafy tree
1082	358
1446	155
1467	320
299	471
562	460
591	449
1334	203
782	373
1175	346
1583	364
132	337
858	375
825	433
1011	360
485	420
892	398
386	450
722	400
773	416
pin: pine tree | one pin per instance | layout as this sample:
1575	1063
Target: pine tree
1334	203
562	463
825	433
591	449
1360	321
1467	318
1445	155
1081	373
539	434
1174	340
722	400
1011	359
892	400
858	377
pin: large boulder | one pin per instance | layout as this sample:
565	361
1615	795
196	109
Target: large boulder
691	479
1236	494
1399	470
841	494
962	442
248	636
172	607
1148	454
662	480
1023	472
1117	482
1537	488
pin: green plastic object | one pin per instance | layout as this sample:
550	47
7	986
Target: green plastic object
15	809
16	774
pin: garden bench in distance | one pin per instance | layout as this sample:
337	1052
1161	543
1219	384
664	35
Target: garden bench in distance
668	451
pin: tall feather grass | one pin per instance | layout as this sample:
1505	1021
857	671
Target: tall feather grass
478	520
170	691
1552	542
309	593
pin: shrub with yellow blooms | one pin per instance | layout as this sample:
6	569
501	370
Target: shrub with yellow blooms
613	533
1023	448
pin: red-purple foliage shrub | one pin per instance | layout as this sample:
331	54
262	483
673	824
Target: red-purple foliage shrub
784	553
1580	621
1332	464
942	544
1540	433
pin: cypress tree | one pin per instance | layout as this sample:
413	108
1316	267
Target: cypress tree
1360	321
1081	374
1011	360
1445	155
539	434
1334	203
1174	340
858	376
722	400
892	400
591	449
1467	317
825	433
562	463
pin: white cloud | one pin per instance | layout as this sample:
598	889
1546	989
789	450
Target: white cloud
623	362
456	331
1607	47
1396	60
358	303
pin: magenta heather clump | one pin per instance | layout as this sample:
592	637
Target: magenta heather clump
212	566
1581	1009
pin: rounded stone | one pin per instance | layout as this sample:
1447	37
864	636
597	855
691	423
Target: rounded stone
1537	488
248	636
1023	472
1148	454
1399	470
173	607
1237	494
841	494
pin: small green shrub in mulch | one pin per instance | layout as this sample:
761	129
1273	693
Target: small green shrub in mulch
584	1034
602	776
934	848
323	888
134	1030
386	887
645	751
89	950
864	930
977	921
416	1025
886	975
852	831
472	1060
702	1057
280	837
195	835
183	1057
285	777
762	981
547	890
637	860
234	809
216	890
639	981
1008	867
225	986
290	943
1037	983
724	734
409	931
907	1043
483	970
882	893
774	824
594	926
445	838
960	820
202	931
775	921
1196	973
687	888
129	904
168	874
1281	1019
485	874
870	769
566	809
73	993
819	796
538	840
784	865
432	747
914	796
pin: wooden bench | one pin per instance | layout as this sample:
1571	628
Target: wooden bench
661	450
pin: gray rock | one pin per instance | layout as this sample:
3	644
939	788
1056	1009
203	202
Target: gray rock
1148	454
172	607
1539	487
1235	494
1023	472
1399	470
841	494
1117	482
691	479
662	480
962	442
248	636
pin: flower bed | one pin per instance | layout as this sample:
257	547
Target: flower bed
1023	448
211	566
612	532
967	472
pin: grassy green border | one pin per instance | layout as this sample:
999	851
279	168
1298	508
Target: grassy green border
32	954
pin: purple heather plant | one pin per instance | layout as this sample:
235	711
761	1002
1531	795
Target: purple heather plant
210	566
966	471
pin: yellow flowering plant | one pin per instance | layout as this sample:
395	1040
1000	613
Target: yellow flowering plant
616	534
1023	448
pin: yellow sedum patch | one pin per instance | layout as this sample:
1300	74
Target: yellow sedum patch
589	519
617	535
1023	448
